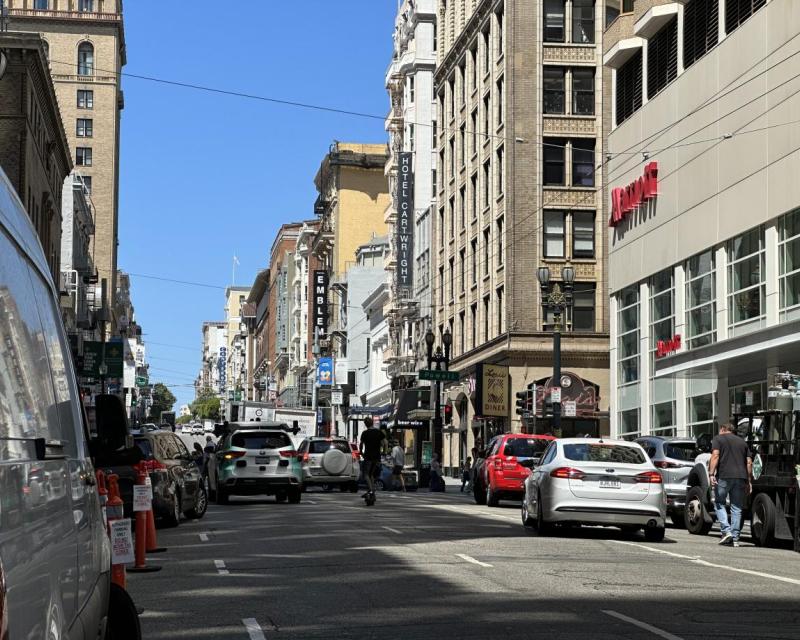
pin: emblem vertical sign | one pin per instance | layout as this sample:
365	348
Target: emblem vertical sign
405	224
321	302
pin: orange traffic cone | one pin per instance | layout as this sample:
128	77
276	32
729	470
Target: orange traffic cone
114	511
141	566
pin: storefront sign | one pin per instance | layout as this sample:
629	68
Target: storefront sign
569	409
321	303
493	390
582	393
222	364
665	347
93	357
626	199
405	223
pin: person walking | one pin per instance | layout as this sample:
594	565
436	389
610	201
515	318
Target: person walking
370	449
466	472
398	456
437	482
731	472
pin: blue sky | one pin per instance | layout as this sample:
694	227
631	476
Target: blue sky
205	176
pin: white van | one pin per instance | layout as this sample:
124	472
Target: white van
54	551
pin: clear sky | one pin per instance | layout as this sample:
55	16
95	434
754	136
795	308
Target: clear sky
205	176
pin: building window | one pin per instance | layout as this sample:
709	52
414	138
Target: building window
85	59
754	392
583	303
411	137
441	226
500	240
462	258
554	234
628	335
462	205
487	180
700	415
500	38
452	204
486	51
628	424
583	234
554	85
500	177
83	156
583	92
452	156
451	95
662	419
462	68
487	243
789	256
701	305
627	6
662	58
746	281
499	101
737	11
84	128
629	88
462	331
700	29
500	310
87	184
41	4
462	145
474	124
85	99
473	312
441	285
487	117
411	92
452	278
554	26
554	150
473	57
583	21
473	187
662	309
85	5
486	319
583	162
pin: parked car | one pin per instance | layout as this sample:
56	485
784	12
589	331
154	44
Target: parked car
329	462
54	550
186	429
674	458
255	458
595	482
387	482
502	474
197	429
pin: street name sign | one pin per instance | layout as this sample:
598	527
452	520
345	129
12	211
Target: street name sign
439	376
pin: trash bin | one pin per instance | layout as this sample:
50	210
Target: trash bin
425	476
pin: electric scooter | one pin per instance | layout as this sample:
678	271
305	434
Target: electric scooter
369	498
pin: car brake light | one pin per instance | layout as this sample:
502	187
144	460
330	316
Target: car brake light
302	457
154	465
356	455
287	453
232	455
649	477
498	463
567	473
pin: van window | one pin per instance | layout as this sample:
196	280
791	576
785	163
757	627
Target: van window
28	408
321	446
260	440
525	447
596	452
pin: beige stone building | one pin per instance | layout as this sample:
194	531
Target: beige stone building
236	338
85	40
519	142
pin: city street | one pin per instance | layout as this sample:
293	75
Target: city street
436	565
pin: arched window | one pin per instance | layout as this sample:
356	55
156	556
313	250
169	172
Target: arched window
85	59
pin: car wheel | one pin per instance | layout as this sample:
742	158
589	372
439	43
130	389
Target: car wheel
280	497
479	493
200	504
491	496
527	521
695	512
762	521
654	534
294	496
123	618
380	486
222	496
542	526
174	517
678	519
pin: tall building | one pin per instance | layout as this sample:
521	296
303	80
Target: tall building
85	40
704	233
519	139
213	372
236	335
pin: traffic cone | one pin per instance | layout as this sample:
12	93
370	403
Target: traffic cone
141	566
114	511
151	544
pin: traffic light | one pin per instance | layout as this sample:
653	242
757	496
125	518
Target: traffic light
524	402
448	413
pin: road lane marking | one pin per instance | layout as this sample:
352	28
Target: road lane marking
473	560
393	530
705	563
220	565
310	502
203	537
642	625
253	629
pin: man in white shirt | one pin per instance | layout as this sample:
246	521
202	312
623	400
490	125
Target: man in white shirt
398	462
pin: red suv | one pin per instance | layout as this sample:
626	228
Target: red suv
500	474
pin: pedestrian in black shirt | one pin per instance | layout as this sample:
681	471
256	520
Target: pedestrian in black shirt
371	444
731	470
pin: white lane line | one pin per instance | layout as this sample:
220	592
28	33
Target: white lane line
473	560
253	629
643	625
203	537
220	565
310	502
705	563
393	530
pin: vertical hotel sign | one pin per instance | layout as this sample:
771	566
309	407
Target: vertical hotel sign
405	224
321	303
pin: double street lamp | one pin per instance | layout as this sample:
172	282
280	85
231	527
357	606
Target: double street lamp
557	300
440	357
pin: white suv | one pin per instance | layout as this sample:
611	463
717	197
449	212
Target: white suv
328	462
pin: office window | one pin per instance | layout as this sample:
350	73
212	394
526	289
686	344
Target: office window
662	58
443	168
487	179
85	5
85	99
789	257
553	151
452	278
462	144
583	92
554	86
628	335
553	234
441	226
474	247
629	88
473	57
737	11
87	184
41	4
700	415
487	244
433	179
411	89
411	137
462	259
500	36
746	279
662	419
500	240
462	332
487	117
500	310
473	189
462	75
474	126
83	156
583	21
451	96
452	204
701	305
583	234
662	309
452	156
462	205
85	59
84	128
700	29
486	319
499	162
583	163
486	51
554	25
473	312
627	6
441	285
499	101
583	305
628	424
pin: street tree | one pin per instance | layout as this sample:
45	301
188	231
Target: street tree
206	405
163	400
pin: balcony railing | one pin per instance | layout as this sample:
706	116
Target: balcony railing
94	16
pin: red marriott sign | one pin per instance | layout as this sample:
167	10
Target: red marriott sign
665	347
626	199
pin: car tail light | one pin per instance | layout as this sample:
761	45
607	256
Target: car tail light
356	455
567	473
498	464
287	453
232	455
302	457
649	477
664	464
154	465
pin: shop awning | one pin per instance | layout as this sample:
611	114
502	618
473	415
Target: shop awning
408	401
359	412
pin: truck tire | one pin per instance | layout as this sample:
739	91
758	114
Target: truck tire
695	512
762	521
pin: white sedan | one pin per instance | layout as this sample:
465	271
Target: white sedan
595	482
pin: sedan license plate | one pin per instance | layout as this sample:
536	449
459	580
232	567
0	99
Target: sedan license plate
610	484
262	460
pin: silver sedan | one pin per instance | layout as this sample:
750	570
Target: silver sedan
595	482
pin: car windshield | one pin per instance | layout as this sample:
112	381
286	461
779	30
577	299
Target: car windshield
525	447
261	440
681	451
321	446
596	452
145	447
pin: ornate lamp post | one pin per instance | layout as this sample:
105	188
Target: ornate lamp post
440	357
557	300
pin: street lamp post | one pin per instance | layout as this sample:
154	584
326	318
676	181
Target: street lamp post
557	300
439	357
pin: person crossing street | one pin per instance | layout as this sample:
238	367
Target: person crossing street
370	448
731	472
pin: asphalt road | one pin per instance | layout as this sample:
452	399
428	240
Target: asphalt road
422	566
